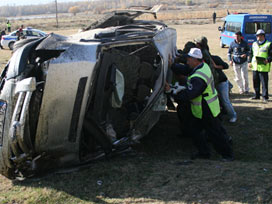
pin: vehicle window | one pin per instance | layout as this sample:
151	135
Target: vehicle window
251	28
28	33
41	34
36	34
13	34
233	26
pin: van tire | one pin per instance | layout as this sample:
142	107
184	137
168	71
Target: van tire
221	44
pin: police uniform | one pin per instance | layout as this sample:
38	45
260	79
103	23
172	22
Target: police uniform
260	52
204	105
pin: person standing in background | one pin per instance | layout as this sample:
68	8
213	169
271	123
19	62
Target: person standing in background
3	32
9	26
237	55
260	59
214	17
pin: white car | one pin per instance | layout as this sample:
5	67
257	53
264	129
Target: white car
7	41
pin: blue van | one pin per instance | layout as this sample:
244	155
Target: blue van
248	24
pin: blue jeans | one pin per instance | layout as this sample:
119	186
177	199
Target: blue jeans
223	94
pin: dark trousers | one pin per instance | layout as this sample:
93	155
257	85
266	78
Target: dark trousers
211	127
258	78
185	118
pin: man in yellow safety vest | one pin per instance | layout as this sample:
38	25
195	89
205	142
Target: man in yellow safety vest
204	104
260	59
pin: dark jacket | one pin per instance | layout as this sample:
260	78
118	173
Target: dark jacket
269	52
236	50
181	69
196	88
2	33
221	75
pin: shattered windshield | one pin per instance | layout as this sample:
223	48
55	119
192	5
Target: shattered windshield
123	17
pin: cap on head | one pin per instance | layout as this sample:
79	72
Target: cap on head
260	32
195	53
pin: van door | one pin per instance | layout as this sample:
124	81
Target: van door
251	29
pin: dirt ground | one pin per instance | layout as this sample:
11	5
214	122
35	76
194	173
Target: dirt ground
160	171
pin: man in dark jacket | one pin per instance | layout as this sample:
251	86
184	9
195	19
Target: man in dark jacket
214	17
3	32
237	54
204	106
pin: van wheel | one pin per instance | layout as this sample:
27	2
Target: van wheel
11	45
221	44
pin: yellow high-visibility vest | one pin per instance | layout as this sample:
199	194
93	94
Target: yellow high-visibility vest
209	94
262	52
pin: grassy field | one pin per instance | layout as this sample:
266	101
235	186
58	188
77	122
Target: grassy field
158	171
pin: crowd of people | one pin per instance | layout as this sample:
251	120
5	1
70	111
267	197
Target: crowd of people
205	96
19	32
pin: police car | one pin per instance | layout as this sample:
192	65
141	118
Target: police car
8	41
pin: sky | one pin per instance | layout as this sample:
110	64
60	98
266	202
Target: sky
31	2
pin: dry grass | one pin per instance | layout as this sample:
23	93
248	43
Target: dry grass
158	172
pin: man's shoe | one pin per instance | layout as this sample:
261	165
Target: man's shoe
265	100
255	98
246	92
233	120
200	156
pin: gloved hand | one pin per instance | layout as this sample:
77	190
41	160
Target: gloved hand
175	89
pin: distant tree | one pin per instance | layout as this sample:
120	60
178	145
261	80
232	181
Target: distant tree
188	2
74	10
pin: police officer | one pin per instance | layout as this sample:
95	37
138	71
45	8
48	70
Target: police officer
260	58
9	26
204	105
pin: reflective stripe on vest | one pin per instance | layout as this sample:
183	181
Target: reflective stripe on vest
197	103
262	52
210	92
208	79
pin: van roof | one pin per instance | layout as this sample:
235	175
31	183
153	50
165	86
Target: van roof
250	17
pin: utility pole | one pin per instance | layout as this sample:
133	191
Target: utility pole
56	3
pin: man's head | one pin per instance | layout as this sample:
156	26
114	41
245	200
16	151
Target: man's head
238	36
188	46
260	35
201	42
194	57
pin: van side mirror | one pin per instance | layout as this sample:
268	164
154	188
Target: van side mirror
219	28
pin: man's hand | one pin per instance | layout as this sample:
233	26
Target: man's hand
243	56
170	60
249	65
231	63
167	87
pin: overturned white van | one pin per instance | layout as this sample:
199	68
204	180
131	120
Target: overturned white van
66	101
